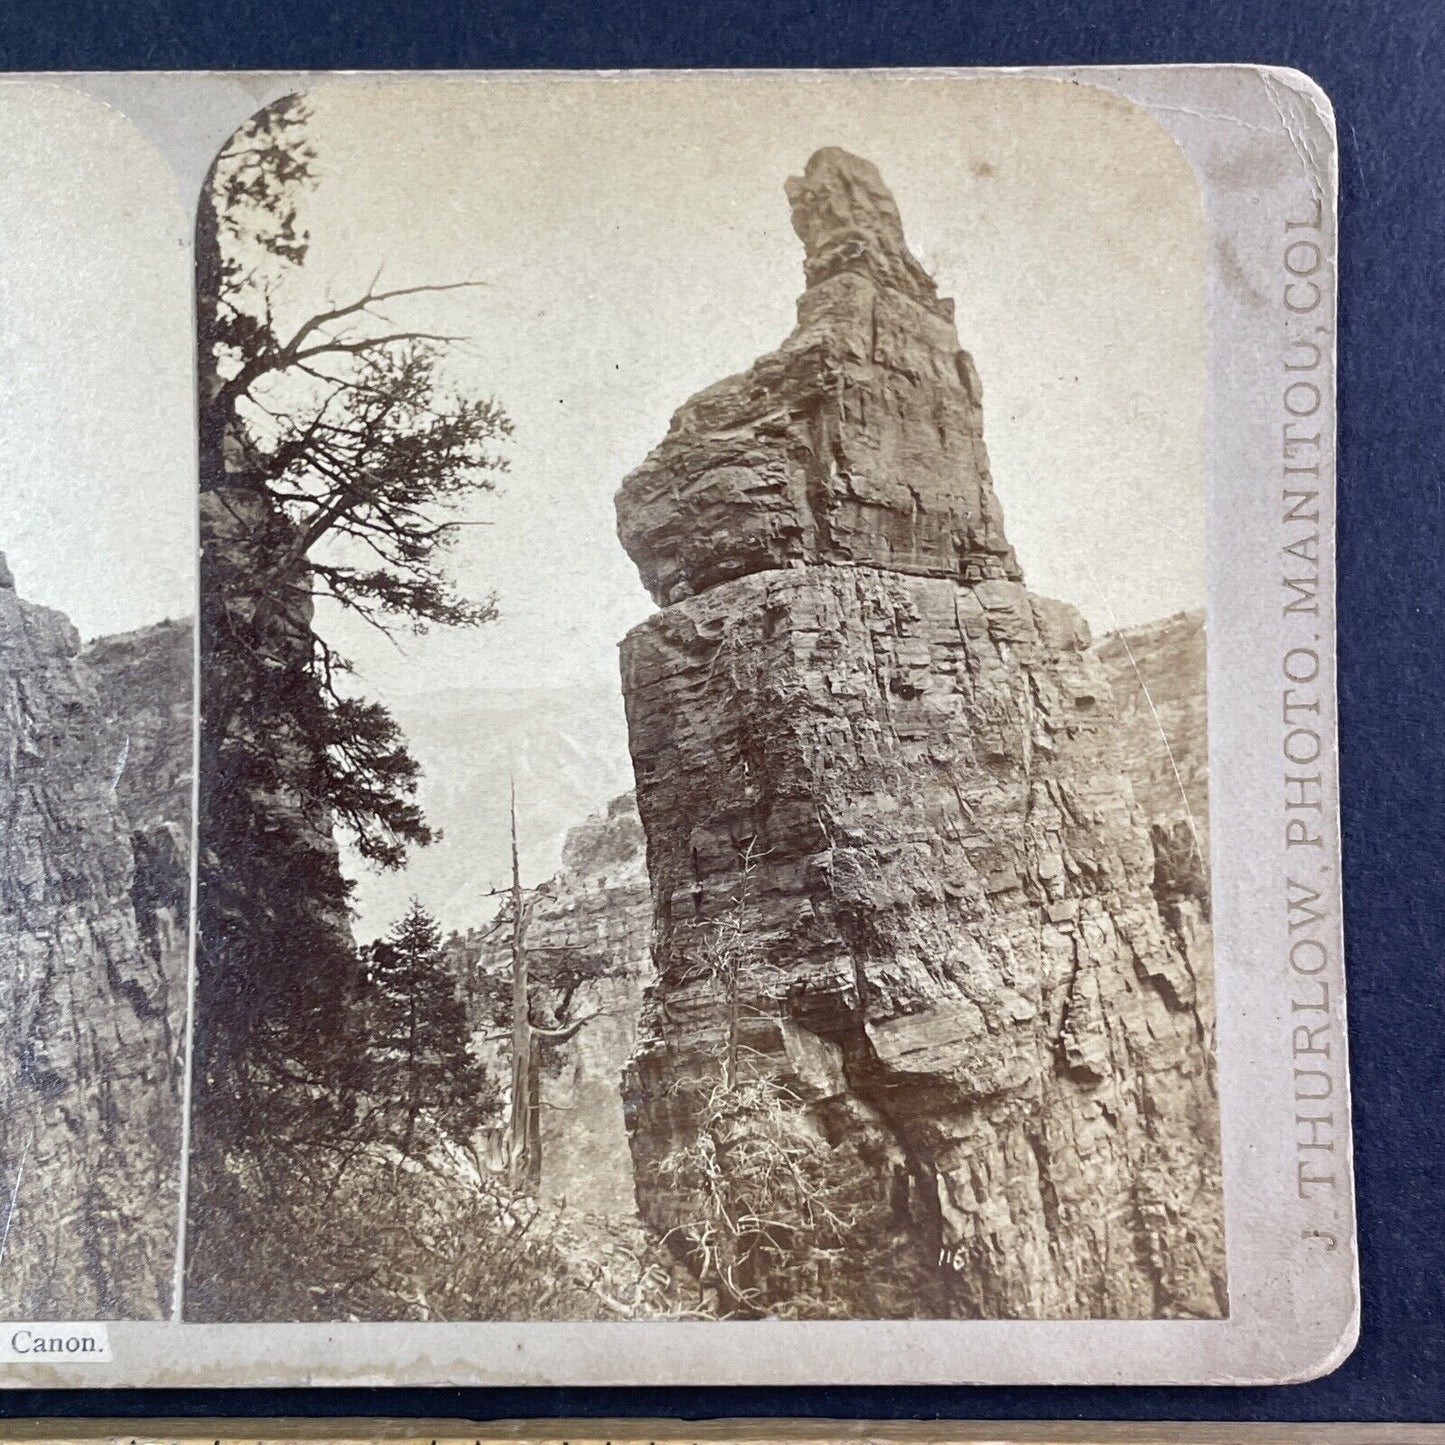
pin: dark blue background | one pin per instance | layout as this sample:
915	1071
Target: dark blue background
1384	66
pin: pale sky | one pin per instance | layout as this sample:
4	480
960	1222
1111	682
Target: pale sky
636	246
97	449
635	241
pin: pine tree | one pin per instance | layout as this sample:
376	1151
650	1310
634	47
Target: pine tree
338	466
416	1061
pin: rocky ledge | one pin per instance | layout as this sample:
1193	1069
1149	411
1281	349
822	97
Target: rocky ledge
860	440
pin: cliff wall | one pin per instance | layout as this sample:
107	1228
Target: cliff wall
601	906
92	975
1156	673
853	726
597	907
145	684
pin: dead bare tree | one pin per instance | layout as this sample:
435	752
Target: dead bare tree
541	990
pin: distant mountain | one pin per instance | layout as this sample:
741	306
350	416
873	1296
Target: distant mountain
567	750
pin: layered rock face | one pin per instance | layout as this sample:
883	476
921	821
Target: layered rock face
92	990
145	683
853	723
598	906
602	907
859	441
1156	673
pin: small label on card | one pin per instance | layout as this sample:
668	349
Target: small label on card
55	1343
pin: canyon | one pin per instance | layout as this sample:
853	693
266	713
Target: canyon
913	864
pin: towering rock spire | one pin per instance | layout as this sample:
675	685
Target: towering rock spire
853	726
859	441
848	221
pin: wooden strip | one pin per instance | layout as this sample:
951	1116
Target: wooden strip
711	1432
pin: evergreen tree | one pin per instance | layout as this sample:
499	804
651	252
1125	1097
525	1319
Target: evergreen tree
416	1064
337	466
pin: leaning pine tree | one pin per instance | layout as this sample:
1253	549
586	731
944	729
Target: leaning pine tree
335	467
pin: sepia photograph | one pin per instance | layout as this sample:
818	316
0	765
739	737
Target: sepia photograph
763	903
640	730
